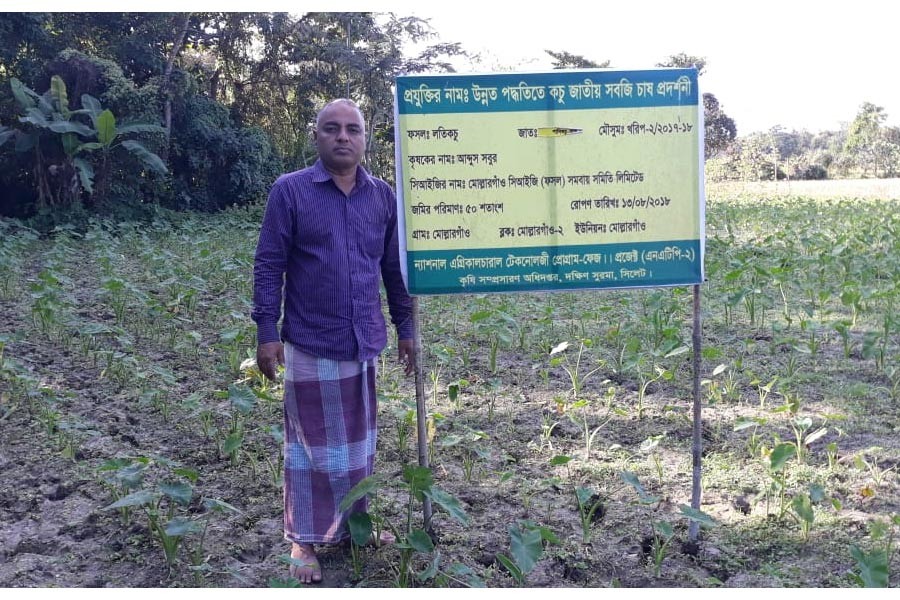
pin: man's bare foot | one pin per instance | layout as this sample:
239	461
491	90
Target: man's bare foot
304	564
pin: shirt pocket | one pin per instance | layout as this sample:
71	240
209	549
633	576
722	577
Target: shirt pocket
372	228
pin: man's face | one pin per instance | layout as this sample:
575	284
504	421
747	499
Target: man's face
340	137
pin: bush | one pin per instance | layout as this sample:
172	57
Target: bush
812	172
216	164
213	162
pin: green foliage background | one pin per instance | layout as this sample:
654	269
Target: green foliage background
241	90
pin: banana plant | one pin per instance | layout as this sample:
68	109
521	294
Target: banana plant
110	136
48	118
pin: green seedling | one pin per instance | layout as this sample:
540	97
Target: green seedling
803	508
241	401
577	378
165	505
663	534
754	440
526	546
590	510
649	447
873	564
411	541
868	461
360	526
453	394
763	390
777	469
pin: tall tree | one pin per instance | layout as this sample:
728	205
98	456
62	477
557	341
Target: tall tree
23	39
863	138
685	61
719	129
567	60
165	86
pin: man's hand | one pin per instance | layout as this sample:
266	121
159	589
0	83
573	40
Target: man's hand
268	357
407	353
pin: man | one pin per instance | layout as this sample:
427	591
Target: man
328	232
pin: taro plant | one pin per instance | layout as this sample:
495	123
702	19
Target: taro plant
579	413
453	392
754	440
241	402
804	436
405	421
873	564
499	327
842	327
122	476
233	341
493	387
411	541
590	510
50	300
803	507
590	504
579	408
71	432
647	378
763	390
574	370
166	504
472	448
663	533
526	546
868	460
777	470
649	447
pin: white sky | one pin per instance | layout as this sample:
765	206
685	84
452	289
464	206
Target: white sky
801	65
794	63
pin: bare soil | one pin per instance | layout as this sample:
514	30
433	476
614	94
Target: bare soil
55	531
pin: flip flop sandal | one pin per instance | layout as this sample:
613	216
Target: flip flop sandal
306	563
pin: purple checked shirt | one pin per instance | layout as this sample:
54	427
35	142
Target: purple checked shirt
326	250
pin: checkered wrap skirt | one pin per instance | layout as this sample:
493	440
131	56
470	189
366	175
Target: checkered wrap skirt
329	442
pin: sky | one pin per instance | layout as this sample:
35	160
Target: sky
789	63
800	65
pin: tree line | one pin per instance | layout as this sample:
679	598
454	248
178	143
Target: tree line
118	113
201	111
865	147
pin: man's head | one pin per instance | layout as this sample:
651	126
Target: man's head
340	136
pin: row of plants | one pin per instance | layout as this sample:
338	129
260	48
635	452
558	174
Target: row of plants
574	408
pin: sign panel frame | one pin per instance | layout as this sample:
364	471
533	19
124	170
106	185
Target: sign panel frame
562	180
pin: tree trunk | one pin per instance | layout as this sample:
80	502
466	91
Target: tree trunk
45	195
167	78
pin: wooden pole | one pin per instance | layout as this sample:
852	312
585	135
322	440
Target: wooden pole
420	407
697	446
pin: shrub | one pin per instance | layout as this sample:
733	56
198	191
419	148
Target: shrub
216	164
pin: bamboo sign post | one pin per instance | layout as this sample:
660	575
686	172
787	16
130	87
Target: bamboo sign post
564	180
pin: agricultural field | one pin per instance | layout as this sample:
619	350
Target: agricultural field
140	446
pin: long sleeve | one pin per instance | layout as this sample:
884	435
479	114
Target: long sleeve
399	301
270	263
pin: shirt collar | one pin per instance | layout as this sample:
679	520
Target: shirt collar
321	174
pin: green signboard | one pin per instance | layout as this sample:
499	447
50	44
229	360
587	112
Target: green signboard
550	181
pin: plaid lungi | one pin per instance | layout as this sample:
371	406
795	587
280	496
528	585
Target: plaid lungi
329	442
